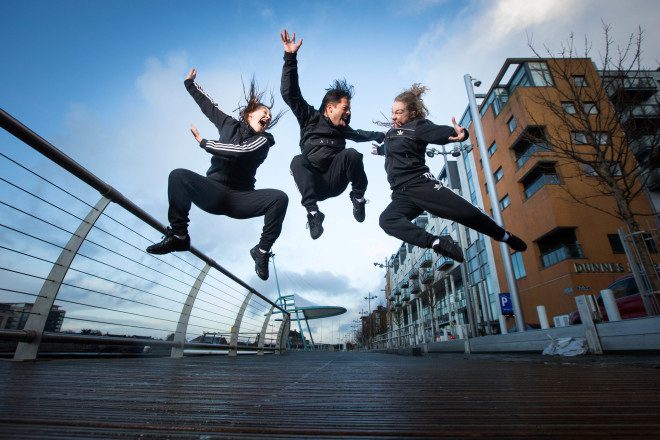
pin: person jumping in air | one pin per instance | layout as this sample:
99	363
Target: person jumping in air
228	188
326	166
415	190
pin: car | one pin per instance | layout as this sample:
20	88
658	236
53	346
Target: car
627	297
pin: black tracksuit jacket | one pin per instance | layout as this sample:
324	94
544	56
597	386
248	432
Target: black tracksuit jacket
320	141
239	151
405	148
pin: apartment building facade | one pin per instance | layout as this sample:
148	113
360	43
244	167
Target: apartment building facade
573	249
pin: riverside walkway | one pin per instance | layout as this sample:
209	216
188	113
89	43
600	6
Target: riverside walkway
333	395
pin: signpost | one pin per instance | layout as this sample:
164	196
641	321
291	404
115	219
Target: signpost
506	305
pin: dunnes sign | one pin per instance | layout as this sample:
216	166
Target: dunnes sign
599	267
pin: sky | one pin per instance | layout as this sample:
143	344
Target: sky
103	81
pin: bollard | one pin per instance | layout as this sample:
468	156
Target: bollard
503	328
610	305
543	317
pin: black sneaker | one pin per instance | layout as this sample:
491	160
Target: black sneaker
449	248
260	262
516	243
315	224
170	243
358	208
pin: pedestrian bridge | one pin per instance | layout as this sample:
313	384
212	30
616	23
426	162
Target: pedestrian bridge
333	395
74	277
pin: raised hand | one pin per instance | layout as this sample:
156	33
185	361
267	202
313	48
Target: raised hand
289	42
460	132
192	74
194	130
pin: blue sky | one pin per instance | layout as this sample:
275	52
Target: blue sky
103	81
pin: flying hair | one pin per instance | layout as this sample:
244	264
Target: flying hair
340	88
412	99
254	98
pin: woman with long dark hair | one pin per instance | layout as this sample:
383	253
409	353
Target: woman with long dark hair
415	189
228	187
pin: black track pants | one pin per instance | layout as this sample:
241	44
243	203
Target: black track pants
424	194
186	187
315	185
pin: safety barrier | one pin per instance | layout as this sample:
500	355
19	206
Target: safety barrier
74	276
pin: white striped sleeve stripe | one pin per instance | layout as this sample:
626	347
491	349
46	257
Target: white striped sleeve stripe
238	148
201	90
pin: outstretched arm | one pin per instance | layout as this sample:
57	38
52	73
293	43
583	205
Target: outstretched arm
363	135
289	87
221	120
224	149
442	134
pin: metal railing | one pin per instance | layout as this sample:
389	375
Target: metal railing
74	276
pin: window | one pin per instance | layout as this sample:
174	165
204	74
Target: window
579	137
492	149
579	81
559	245
590	108
569	107
615	243
543	174
524	149
540	74
518	265
498	174
504	202
602	137
512	124
615	168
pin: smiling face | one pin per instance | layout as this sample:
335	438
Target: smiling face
338	112
259	119
400	114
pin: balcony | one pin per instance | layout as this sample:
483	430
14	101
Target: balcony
540	182
642	146
414	274
426	260
525	155
427	275
443	262
404	284
566	252
640	115
631	89
414	286
422	221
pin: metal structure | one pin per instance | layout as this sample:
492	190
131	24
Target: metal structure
494	202
121	277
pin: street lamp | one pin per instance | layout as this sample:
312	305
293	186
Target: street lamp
494	200
462	233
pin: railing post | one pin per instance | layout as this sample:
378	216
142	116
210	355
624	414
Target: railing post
44	302
262	335
283	334
182	326
233	343
590	331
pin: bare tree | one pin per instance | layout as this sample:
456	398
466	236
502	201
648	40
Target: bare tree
593	130
430	299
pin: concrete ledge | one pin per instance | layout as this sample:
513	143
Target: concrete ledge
642	334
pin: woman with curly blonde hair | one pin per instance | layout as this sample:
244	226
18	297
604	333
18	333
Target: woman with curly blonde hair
415	189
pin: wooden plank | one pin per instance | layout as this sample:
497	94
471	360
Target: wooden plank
330	395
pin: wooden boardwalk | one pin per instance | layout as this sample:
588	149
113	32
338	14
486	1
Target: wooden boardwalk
330	395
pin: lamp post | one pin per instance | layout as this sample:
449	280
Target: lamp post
369	297
494	202
388	292
462	234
